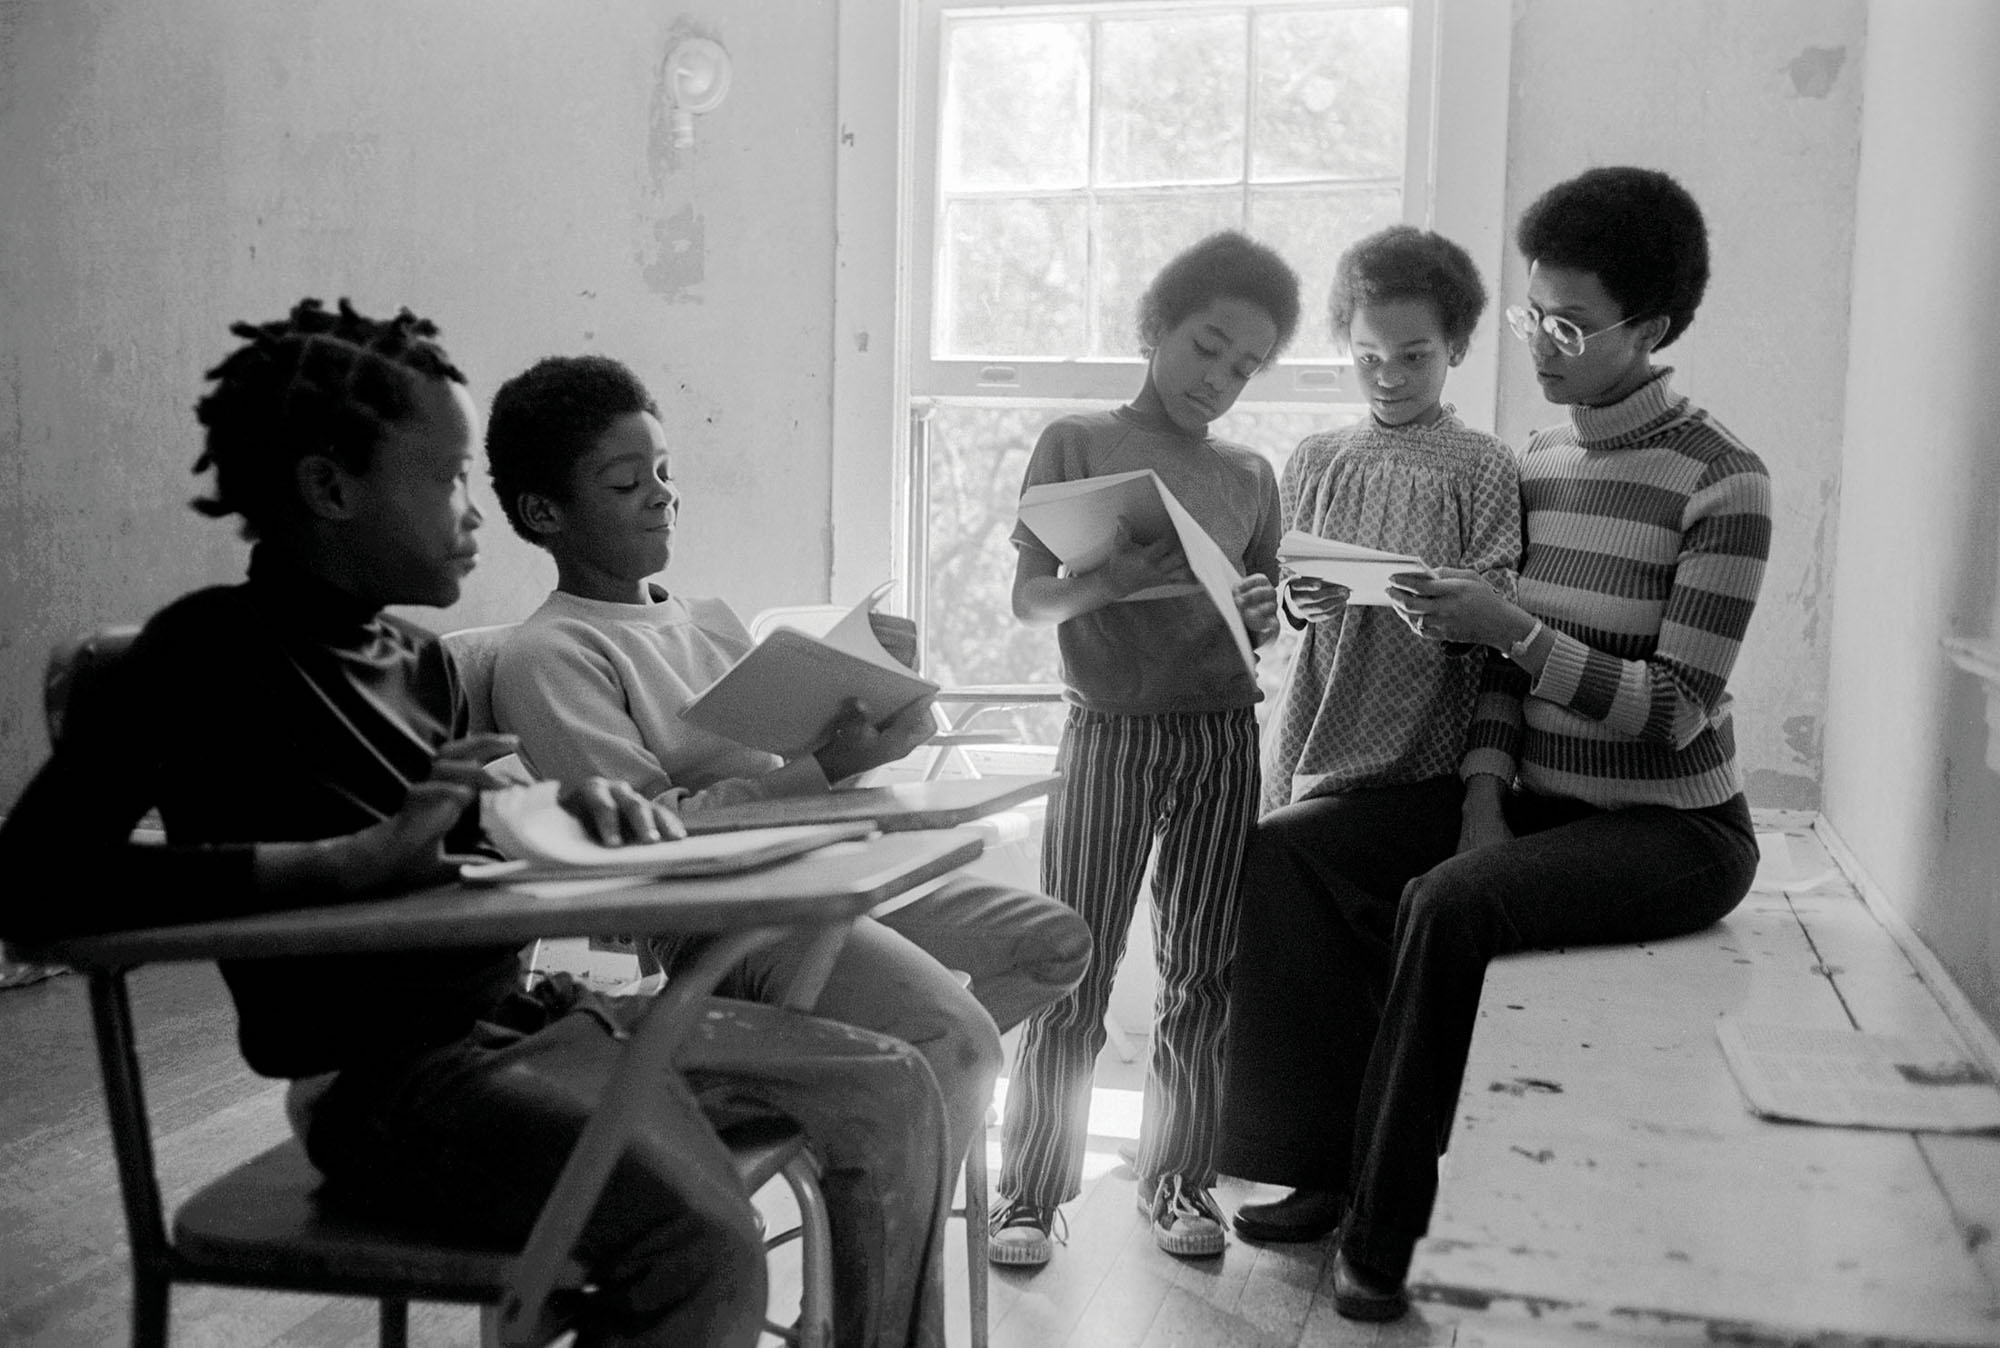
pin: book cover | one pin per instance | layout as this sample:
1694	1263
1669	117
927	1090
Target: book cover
1078	522
781	696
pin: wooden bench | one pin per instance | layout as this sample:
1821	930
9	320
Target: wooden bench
1606	1180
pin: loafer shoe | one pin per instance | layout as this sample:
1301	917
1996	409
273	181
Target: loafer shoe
1359	1297
1301	1215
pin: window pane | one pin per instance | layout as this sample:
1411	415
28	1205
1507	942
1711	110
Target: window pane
1012	278
977	457
1136	235
1311	227
1331	93
1170	99
1016	105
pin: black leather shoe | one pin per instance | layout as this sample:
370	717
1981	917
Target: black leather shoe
1301	1215
1359	1297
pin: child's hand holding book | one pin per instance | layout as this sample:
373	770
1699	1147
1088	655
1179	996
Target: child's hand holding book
855	742
1133	567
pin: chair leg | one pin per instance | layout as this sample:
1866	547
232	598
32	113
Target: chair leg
976	1233
150	1294
394	1322
815	1253
489	1327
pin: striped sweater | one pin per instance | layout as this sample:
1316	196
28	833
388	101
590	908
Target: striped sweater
1647	527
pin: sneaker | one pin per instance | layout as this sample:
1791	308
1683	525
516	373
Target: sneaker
1185	1219
1023	1234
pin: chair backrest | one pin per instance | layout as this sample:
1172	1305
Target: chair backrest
77	670
815	620
474	650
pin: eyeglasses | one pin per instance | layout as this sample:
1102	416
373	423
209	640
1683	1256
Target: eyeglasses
1527	320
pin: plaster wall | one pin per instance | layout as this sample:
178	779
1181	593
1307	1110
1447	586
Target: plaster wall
1906	784
1757	110
504	168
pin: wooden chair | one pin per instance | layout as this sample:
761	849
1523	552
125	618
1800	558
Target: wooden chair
273	1223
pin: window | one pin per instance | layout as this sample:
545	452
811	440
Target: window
1070	152
1050	157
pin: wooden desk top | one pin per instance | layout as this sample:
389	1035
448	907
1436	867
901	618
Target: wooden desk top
894	809
833	884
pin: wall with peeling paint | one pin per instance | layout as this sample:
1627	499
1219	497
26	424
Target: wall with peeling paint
1907	786
1756	108
507	169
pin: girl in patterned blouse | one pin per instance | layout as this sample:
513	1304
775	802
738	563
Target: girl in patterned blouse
1361	783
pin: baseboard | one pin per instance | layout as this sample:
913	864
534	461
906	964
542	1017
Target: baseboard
1979	1037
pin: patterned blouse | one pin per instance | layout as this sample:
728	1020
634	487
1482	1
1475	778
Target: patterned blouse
1367	701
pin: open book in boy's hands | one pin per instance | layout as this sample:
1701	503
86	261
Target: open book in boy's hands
1364	571
543	841
783	694
1078	521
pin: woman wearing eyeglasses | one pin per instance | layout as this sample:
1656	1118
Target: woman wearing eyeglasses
1602	798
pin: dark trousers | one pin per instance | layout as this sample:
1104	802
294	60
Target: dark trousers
1573	875
471	1136
1321	883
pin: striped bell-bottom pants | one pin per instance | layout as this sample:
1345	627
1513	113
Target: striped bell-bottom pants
1188	782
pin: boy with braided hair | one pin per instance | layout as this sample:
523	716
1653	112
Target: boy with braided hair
305	748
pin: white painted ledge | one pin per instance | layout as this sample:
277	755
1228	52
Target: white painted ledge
1980	657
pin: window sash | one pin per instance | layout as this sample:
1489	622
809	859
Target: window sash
1316	380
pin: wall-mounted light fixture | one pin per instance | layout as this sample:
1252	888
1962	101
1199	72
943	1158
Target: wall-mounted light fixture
698	77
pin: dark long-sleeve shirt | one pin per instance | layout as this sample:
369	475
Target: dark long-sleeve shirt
271	711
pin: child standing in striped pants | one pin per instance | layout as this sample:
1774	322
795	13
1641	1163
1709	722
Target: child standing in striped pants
1160	746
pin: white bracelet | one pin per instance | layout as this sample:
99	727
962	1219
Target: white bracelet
1518	652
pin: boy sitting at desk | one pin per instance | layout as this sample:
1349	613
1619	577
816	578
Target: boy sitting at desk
305	748
594	681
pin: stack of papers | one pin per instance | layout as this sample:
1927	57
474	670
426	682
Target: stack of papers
1364	571
543	841
1078	521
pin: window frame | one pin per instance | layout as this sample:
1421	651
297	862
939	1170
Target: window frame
885	176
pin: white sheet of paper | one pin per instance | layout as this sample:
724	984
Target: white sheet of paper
1364	571
1078	521
1844	1077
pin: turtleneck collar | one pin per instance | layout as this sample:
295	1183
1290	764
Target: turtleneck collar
1635	418
296	597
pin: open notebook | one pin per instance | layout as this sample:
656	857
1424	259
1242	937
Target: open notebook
542	841
1364	571
784	693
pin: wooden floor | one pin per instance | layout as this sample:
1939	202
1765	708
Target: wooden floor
63	1281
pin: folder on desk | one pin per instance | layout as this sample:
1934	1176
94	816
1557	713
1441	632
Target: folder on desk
542	841
892	809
